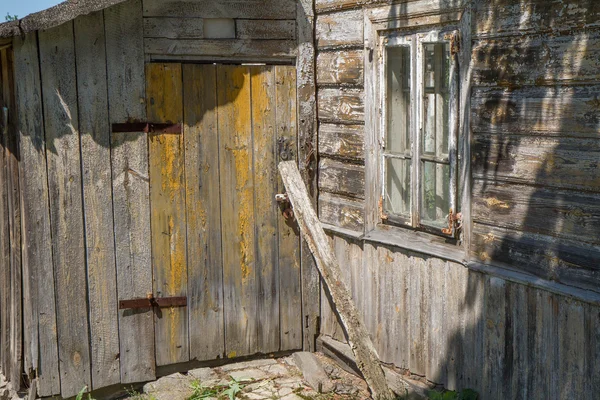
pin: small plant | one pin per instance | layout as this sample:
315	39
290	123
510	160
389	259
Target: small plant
200	392
465	394
82	393
9	17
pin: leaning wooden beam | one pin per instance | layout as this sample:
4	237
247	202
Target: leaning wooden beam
362	346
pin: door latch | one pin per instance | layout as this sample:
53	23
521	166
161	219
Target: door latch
285	205
153	302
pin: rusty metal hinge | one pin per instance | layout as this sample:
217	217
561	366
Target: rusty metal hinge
151	302
454	225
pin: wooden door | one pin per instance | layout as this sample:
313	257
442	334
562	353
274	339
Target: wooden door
218	235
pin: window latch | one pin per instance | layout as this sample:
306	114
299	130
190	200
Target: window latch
454	225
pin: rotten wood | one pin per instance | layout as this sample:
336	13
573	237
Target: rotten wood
342	178
341	212
252	9
362	346
340	67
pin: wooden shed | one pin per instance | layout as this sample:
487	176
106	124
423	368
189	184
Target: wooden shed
451	147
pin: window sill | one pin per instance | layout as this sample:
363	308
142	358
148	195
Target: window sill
419	242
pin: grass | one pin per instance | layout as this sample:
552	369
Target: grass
229	391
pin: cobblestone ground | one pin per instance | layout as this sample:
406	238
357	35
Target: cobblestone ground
253	380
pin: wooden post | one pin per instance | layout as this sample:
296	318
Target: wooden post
360	342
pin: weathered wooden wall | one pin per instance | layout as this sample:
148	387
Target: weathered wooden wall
174	29
86	197
535	194
535	114
466	329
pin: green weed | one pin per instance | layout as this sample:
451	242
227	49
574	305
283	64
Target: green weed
465	394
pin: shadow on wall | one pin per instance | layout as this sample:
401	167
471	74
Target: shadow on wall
71	79
535	123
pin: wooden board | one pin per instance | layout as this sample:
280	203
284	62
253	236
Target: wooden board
203	208
539	60
264	110
220	47
97	198
561	260
342	178
562	111
12	157
290	284
237	210
340	67
174	28
343	106
504	17
167	205
57	54
265	29
5	258
358	336
341	211
339	29
342	141
129	157
560	213
557	162
253	9
307	154
37	260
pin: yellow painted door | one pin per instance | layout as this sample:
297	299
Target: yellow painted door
218	235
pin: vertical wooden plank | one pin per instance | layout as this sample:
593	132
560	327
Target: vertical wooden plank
97	198
592	349
473	351
5	272
131	202
167	211
546	346
264	109
11	149
290	283
400	267
328	320
520	345
416	312
438	318
455	280
495	319
307	161
237	206
57	55
571	349
37	248
203	207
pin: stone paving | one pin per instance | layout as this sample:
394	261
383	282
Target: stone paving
258	380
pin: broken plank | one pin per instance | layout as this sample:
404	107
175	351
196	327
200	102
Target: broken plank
361	343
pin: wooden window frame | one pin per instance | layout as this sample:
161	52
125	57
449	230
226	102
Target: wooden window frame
416	42
393	21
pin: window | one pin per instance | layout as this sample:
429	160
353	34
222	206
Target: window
420	125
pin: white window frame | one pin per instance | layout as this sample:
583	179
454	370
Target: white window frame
416	42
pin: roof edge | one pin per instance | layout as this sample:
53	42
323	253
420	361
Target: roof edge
53	16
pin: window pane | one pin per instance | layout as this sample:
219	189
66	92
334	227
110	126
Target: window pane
397	186
398	99
436	99
435	204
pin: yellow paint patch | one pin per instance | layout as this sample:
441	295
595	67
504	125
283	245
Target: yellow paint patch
231	354
493	202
